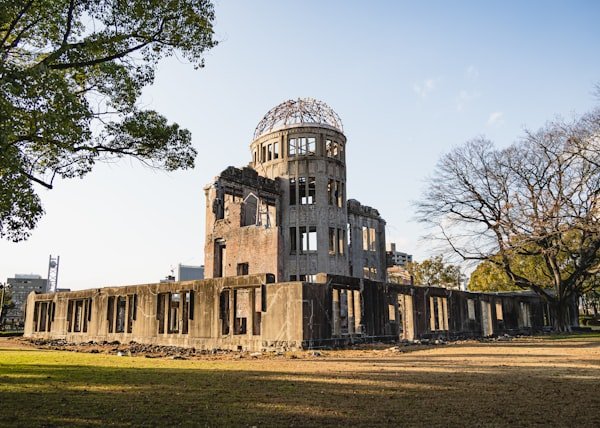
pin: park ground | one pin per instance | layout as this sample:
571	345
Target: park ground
539	381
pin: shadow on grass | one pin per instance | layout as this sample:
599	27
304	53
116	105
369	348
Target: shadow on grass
369	392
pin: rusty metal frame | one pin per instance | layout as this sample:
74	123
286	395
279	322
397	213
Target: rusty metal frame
293	112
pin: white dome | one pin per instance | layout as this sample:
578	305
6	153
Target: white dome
294	112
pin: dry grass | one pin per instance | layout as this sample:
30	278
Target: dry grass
519	383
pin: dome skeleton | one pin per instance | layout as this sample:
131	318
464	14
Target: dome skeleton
300	111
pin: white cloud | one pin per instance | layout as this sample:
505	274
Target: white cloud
472	72
496	118
465	97
426	87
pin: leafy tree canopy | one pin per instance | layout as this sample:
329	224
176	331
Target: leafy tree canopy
490	276
434	271
71	73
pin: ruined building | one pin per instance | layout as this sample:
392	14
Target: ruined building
291	203
290	262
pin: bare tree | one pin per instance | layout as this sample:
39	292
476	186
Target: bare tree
535	203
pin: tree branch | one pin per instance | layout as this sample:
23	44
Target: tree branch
35	179
15	21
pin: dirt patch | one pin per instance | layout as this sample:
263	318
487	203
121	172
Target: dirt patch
16	342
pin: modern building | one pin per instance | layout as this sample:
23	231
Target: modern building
189	273
290	262
20	287
397	258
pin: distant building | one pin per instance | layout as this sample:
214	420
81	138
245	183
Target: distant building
189	273
399	275
398	258
20	287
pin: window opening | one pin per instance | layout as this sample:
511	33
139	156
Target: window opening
499	314
292	191
131	308
110	311
308	238
547	317
43	316
341	235
224	312
331	192
187	302
241	298
525	316
257	312
331	148
292	147
340	194
392	312
174	301
311	146
293	241
311	191
220	255
120	322
372	241
332	240
343	311
242	269
160	311
302	190
78	317
471	309
250	205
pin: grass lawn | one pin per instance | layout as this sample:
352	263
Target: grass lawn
518	383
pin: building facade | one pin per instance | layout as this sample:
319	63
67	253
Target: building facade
255	313
290	263
20	287
291	202
398	258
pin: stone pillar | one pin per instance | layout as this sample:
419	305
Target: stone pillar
357	312
408	332
441	313
351	312
445	306
431	314
335	313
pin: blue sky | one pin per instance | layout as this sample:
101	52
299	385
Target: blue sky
409	80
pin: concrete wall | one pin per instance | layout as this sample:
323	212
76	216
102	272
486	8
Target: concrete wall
248	239
255	313
279	315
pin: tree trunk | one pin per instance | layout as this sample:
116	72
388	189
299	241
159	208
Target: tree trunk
562	316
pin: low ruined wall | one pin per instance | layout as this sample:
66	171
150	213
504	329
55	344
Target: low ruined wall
253	312
222	313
